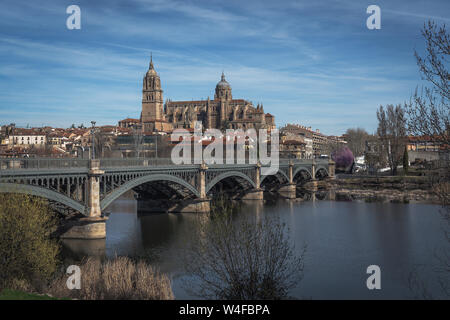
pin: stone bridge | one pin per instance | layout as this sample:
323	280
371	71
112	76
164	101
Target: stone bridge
83	189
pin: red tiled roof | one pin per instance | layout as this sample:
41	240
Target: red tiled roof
27	132
425	138
130	120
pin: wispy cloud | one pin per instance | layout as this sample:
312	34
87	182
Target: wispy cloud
418	16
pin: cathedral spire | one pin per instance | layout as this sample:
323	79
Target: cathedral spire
223	76
151	61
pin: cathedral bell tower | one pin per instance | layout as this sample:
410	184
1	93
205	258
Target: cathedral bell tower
152	116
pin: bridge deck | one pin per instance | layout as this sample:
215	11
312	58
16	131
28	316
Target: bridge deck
75	165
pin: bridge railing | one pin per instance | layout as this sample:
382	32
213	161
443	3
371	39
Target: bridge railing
42	163
134	162
61	163
322	161
303	161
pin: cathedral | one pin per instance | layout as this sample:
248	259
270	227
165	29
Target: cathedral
222	113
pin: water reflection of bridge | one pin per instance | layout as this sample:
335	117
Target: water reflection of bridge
83	189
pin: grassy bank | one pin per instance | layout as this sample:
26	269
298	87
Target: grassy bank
8	294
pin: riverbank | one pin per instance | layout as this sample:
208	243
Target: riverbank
8	294
396	189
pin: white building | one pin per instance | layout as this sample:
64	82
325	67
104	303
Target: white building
26	137
309	148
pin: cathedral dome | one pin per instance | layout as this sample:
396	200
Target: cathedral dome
223	83
223	89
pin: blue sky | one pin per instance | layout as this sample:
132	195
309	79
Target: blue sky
309	62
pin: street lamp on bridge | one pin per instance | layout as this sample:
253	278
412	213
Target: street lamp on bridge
93	140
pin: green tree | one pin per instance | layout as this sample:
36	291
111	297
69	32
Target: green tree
27	253
405	161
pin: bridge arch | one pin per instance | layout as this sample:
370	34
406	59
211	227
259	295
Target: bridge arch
43	193
279	172
302	168
227	175
141	180
321	168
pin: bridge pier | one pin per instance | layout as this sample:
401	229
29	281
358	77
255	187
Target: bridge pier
85	228
288	191
93	201
312	185
331	169
202	204
193	206
93	226
254	194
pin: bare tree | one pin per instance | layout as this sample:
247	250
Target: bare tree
429	114
428	111
356	140
330	147
243	259
374	154
392	132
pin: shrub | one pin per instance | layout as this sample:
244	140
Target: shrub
27	253
344	159
241	258
117	279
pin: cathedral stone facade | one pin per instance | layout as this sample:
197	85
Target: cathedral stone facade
222	113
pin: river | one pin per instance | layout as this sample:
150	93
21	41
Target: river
342	239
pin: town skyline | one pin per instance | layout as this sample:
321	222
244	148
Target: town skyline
319	65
